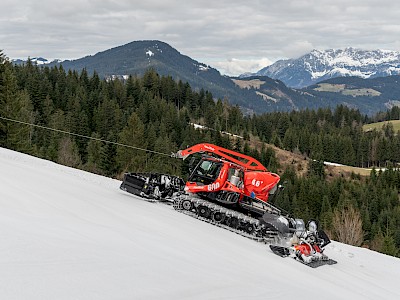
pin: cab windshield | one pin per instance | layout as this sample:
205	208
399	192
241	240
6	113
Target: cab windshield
206	172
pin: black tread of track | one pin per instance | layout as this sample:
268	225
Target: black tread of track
319	263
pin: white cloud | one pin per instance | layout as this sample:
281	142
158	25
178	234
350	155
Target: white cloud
297	48
235	67
212	32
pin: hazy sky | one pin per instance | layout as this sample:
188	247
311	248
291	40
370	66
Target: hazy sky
230	35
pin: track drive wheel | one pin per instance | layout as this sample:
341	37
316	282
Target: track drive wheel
218	217
187	205
249	228
203	211
233	222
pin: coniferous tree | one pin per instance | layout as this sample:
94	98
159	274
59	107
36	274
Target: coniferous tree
14	105
19	136
108	157
388	246
94	149
108	117
132	159
326	213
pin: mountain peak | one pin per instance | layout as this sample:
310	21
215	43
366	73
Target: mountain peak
318	65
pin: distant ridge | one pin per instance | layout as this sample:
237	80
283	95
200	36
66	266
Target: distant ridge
137	57
321	65
260	94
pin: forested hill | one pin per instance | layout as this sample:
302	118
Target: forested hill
367	95
153	112
136	58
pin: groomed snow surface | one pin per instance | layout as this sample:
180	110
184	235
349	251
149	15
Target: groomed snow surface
68	234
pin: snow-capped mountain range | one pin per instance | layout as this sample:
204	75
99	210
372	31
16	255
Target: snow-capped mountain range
321	65
36	60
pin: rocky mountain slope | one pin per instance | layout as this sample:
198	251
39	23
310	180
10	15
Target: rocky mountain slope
321	65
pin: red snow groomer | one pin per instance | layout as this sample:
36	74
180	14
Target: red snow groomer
228	176
231	190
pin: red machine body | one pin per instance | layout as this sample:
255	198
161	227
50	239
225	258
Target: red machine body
221	169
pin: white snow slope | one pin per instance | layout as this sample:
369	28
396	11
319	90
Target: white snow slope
68	234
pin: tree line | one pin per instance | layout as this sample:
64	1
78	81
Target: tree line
154	112
331	135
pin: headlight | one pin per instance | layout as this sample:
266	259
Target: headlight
312	226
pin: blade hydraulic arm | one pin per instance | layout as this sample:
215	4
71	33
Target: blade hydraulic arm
247	162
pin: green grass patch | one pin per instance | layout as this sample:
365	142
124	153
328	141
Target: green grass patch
341	88
379	125
361	92
327	87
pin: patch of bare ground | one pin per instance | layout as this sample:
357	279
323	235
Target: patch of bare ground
300	163
247	84
285	158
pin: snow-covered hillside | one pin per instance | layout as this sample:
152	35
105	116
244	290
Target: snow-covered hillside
68	234
321	65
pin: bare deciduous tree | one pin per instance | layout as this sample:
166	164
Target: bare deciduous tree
68	153
347	226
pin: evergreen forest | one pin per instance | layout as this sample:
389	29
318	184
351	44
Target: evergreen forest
135	124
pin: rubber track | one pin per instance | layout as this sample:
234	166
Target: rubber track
196	202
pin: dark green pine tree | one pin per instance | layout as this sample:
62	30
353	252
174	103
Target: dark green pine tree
151	136
108	118
316	168
269	159
20	135
108	157
238	145
16	106
389	246
164	145
130	158
151	81
132	92
4	97
326	213
94	150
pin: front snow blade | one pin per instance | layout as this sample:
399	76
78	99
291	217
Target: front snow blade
281	251
318	263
